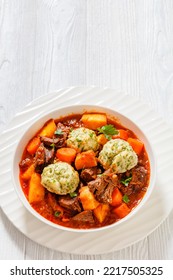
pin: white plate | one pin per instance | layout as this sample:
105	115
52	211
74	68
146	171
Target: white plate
147	219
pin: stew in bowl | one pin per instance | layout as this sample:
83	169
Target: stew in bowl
84	168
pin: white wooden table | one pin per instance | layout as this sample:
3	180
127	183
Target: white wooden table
50	44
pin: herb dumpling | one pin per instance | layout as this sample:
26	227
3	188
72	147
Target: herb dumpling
82	139
119	155
60	178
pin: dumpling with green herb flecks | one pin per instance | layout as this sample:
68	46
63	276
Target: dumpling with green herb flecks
60	178
82	139
118	155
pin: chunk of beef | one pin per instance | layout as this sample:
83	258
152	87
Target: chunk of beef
59	139
138	181
58	142
52	201
25	163
49	155
139	178
73	123
69	203
89	174
103	186
85	217
64	130
40	155
43	157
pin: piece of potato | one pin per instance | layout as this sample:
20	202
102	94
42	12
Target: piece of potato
101	212
87	199
85	160
33	145
28	173
36	190
49	129
94	121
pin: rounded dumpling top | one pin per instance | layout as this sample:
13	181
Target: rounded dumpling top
83	139
119	155
60	178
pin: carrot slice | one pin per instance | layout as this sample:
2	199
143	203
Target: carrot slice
122	134
33	145
136	144
66	154
122	210
116	197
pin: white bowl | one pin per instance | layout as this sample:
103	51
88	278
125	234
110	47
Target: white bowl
79	109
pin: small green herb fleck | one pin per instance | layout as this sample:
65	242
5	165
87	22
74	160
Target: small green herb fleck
126	181
73	194
52	145
58	132
57	213
126	198
100	175
108	131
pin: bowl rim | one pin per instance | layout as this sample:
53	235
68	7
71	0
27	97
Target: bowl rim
43	117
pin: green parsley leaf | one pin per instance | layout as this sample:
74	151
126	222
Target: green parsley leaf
57	213
126	181
108	131
126	198
73	194
58	132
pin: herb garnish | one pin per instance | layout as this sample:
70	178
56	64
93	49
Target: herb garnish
126	198
126	181
73	194
58	132
108	131
57	213
52	145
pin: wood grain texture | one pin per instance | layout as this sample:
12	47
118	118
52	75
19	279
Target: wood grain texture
51	44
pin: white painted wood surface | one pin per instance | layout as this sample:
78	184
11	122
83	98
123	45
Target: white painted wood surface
50	44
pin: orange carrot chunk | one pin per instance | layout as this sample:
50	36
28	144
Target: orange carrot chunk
33	145
122	210
93	121
136	144
116	197
66	154
85	160
122	134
